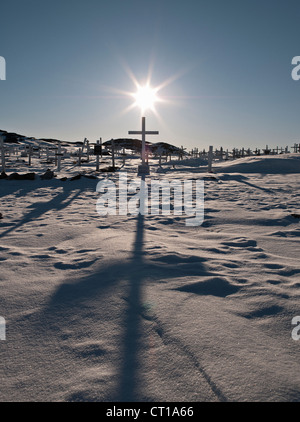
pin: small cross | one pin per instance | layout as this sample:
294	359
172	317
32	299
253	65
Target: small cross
295	147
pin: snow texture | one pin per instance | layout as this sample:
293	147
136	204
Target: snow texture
145	308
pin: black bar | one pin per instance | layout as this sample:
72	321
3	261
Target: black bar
97	149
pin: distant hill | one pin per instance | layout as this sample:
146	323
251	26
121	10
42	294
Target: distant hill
16	138
11	137
127	143
165	147
136	145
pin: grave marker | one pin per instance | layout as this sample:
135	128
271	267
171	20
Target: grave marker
2	154
143	169
59	155
113	153
29	155
210	158
97	152
79	156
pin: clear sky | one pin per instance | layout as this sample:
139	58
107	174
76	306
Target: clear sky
223	68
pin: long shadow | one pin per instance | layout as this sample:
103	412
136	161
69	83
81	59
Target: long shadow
60	201
17	187
73	297
243	179
98	298
131	343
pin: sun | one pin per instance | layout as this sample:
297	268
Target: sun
145	97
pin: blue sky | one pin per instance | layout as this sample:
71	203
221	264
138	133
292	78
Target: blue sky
224	67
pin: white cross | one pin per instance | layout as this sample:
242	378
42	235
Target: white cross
143	132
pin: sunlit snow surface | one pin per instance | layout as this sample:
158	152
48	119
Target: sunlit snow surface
133	308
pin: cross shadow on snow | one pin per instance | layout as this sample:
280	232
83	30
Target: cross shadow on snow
19	188
37	209
243	179
132	334
85	308
72	299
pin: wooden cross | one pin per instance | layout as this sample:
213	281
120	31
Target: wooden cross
143	132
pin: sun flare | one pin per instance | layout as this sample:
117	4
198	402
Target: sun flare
145	97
